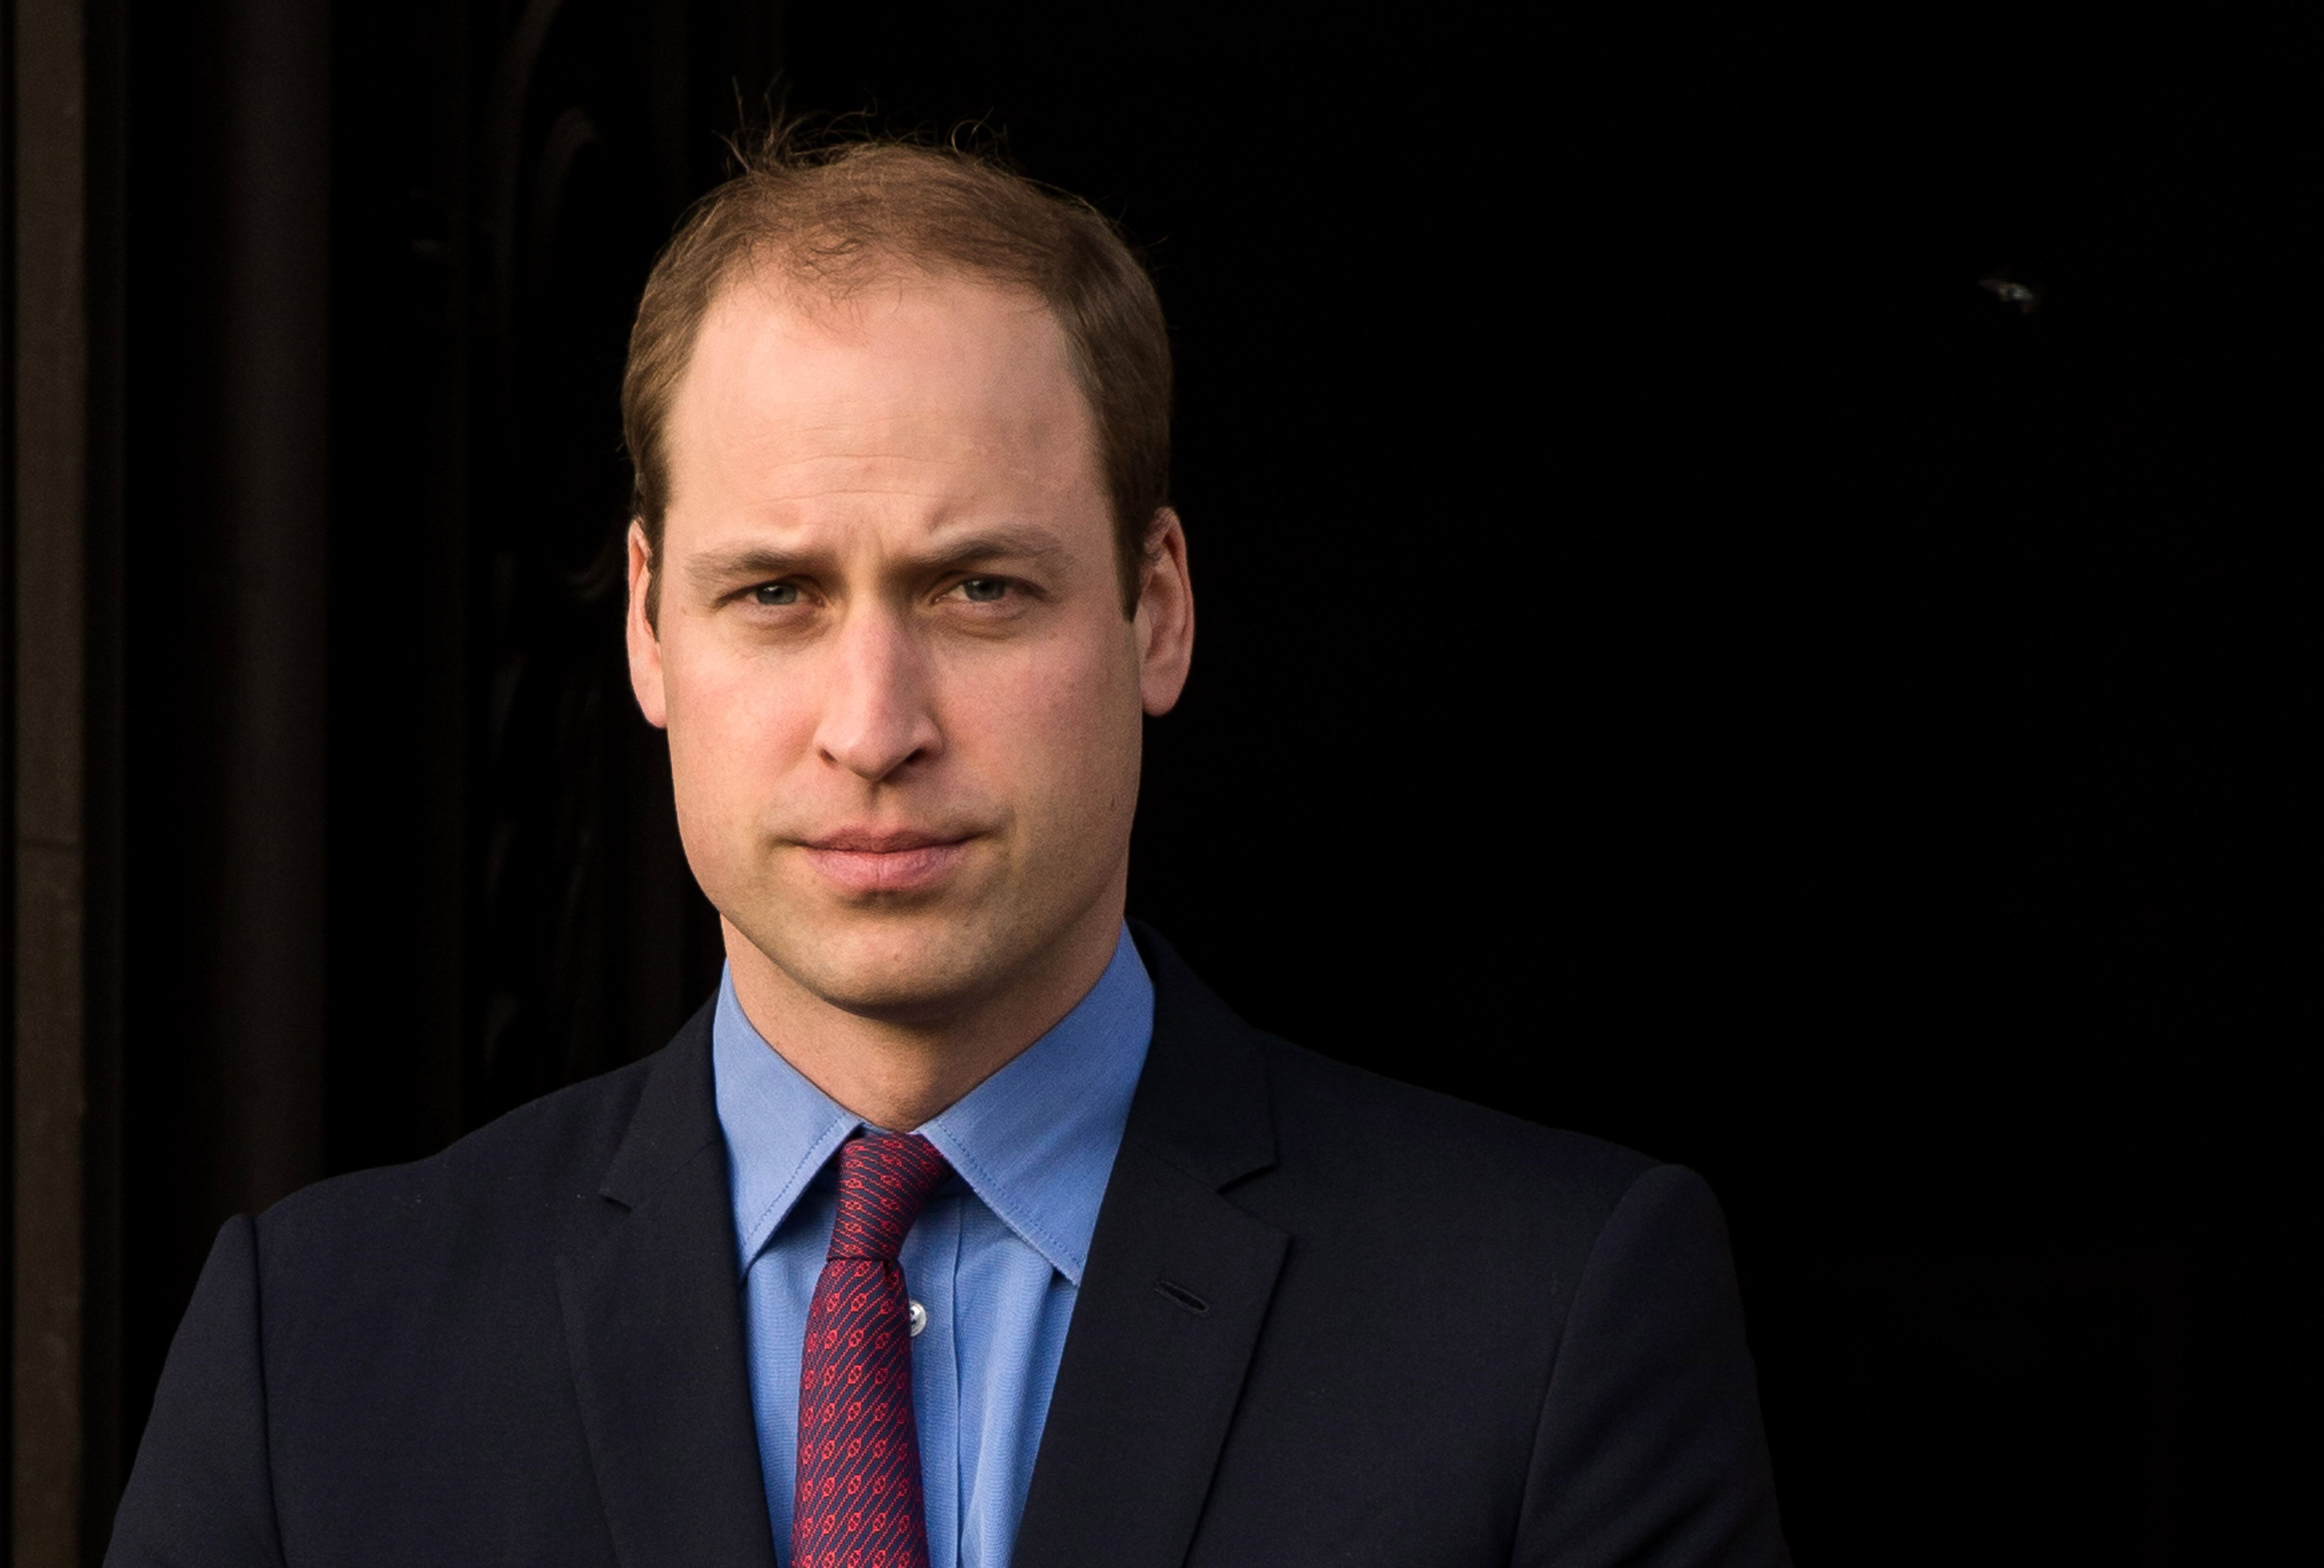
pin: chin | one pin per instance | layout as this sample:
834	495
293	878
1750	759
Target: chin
898	968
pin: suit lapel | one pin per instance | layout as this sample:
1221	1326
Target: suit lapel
653	1321
1171	1304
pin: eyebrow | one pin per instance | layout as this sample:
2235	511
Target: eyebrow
758	563
715	570
1027	544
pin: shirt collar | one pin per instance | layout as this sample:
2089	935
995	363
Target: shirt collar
1036	1141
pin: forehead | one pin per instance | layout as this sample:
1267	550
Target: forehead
915	383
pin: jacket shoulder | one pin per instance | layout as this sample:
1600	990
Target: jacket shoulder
522	1172
1345	1132
1328	1112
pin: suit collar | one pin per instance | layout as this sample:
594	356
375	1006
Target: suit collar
653	1324
677	1116
1177	1285
1170	1308
1203	1103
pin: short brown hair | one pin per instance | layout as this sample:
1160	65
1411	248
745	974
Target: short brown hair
832	212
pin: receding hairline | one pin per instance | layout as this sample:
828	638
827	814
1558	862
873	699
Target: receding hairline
824	310
824	299
827	216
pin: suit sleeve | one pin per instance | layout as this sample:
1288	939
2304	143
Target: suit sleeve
201	1494
1650	1450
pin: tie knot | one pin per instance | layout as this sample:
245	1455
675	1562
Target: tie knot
884	1180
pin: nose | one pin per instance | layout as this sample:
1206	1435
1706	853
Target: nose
877	718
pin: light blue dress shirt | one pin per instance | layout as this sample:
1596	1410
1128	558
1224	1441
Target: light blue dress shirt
996	1256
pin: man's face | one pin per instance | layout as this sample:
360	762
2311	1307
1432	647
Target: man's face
903	700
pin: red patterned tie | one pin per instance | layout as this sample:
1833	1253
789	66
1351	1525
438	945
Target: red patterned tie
860	1503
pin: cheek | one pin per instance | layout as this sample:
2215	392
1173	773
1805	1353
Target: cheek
1059	720
732	726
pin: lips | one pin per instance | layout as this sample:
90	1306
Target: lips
885	861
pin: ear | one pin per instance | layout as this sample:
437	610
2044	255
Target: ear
1165	623
644	640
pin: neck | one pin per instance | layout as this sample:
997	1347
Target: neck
897	1076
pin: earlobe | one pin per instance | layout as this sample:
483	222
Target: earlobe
643	638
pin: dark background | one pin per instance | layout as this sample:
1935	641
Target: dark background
1679	659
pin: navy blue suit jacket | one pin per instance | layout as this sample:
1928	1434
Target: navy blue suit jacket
1326	1319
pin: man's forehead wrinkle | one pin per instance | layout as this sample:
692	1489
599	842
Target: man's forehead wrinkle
828	451
962	412
987	400
965	480
714	568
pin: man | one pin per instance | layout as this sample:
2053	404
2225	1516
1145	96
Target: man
963	1226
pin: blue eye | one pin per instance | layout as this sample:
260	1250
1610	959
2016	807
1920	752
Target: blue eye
983	590
776	594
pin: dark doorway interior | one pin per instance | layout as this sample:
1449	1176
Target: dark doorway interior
1745	594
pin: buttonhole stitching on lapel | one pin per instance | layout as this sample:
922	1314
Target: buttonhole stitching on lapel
1183	1297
